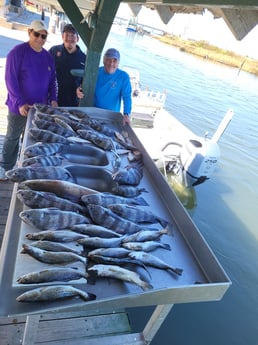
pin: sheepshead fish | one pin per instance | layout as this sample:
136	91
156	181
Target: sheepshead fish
34	173
63	189
97	139
50	275
116	272
136	214
52	293
151	260
52	257
47	136
39	148
37	199
105	217
51	218
54	127
105	199
48	109
54	236
147	246
43	160
128	191
130	175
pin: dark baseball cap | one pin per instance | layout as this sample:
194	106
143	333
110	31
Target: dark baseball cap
70	28
112	53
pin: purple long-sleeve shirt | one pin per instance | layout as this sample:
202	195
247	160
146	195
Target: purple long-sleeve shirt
30	77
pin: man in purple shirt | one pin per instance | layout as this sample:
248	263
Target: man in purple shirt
30	78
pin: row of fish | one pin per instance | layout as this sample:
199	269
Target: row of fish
106	230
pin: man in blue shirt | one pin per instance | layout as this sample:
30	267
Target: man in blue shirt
113	86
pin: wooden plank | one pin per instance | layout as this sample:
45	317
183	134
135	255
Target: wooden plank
69	329
31	329
121	339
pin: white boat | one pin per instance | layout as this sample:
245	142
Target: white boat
185	159
145	103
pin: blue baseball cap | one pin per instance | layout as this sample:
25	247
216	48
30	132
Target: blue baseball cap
112	53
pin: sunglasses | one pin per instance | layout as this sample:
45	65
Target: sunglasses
37	34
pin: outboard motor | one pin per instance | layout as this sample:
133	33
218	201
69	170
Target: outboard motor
198	157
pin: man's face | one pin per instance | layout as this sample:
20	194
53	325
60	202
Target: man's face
110	65
70	40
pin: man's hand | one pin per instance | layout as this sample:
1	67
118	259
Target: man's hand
126	120
24	109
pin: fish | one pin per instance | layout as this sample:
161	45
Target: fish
116	272
80	114
136	214
52	293
108	260
118	252
52	257
151	260
105	217
46	136
94	230
38	115
54	246
130	175
34	173
145	235
51	218
63	123
128	191
104	199
135	156
37	199
147	246
100	127
39	148
97	139
63	189
55	236
43	160
48	109
98	242
54	127
50	275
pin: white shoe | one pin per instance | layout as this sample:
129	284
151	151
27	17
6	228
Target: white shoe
3	177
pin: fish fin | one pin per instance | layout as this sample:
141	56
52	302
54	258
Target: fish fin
166	246
163	222
140	201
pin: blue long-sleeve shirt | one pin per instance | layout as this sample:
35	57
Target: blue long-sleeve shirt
112	89
30	77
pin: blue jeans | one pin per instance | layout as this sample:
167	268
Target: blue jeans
15	128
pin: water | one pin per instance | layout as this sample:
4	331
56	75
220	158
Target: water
199	94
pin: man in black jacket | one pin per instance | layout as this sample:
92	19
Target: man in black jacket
68	56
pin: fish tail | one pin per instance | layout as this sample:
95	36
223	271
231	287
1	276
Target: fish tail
146	286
